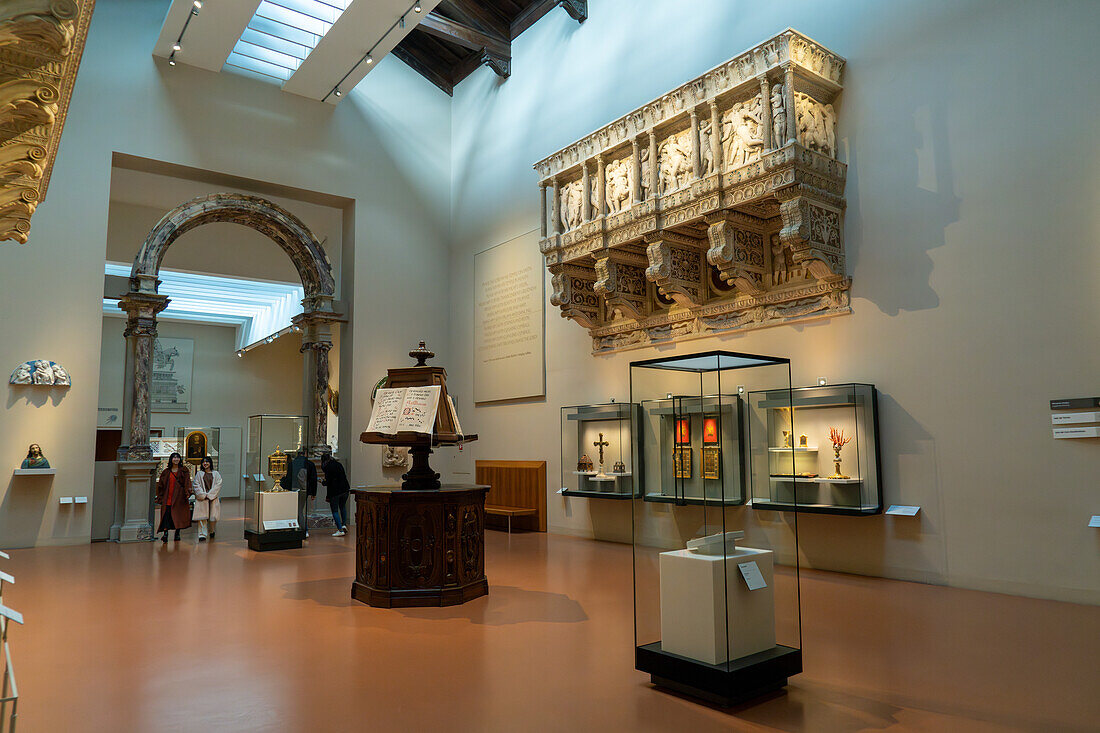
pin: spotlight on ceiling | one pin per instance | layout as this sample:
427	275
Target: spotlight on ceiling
175	47
171	62
240	354
417	8
338	93
370	59
198	4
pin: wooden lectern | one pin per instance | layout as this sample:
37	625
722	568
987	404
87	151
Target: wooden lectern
422	544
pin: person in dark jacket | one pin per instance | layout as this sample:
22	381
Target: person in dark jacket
302	476
338	490
173	490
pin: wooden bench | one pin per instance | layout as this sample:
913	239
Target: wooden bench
516	489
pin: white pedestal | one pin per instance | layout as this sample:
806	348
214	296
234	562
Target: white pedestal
273	505
700	592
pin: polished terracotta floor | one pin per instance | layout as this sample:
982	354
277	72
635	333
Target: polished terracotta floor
213	637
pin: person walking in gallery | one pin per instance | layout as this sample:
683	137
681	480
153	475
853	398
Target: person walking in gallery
338	489
208	507
173	490
303	477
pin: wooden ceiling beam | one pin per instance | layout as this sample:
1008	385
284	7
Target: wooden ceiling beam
577	9
473	12
464	35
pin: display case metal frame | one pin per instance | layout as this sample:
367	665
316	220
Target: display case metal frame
806	492
621	412
746	660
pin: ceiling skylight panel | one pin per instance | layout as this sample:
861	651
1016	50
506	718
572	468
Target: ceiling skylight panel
282	33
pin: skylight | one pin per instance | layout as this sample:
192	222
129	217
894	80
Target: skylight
282	34
258	308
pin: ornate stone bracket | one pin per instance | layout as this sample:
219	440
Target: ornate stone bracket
737	251
676	267
574	292
812	229
621	282
41	42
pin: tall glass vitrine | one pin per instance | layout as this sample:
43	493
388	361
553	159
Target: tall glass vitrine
271	513
716	598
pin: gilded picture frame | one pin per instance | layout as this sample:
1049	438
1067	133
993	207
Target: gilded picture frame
681	462
712	463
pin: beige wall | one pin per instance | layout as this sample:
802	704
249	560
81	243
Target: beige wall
971	232
386	147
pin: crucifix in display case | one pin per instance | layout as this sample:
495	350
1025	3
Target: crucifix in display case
601	443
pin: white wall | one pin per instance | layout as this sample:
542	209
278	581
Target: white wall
971	234
387	146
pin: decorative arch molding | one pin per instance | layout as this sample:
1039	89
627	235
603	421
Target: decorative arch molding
144	301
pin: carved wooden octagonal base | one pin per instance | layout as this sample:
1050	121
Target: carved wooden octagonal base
420	548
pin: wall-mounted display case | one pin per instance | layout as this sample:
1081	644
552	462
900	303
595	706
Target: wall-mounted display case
271	514
692	446
599	450
830	434
716	600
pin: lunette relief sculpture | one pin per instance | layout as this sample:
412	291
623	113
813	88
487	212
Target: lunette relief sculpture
41	372
715	208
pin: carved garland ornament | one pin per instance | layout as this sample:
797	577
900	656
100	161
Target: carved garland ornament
718	207
41	42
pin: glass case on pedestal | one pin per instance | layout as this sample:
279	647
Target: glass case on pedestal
716	597
272	514
599	450
831	435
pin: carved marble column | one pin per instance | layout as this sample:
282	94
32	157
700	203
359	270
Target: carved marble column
141	331
654	168
586	197
316	328
676	267
620	280
555	212
812	229
788	102
737	250
716	136
696	157
766	112
636	172
601	183
542	209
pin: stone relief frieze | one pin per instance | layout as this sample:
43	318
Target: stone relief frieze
725	194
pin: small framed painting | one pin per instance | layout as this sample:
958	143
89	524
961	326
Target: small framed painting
683	431
710	430
712	463
681	462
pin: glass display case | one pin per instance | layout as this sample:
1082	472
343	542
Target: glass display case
716	597
271	514
830	433
599	450
692	447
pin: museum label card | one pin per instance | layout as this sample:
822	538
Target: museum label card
901	510
6	578
1083	432
272	524
1064	418
1095	521
66	500
750	571
5	555
11	613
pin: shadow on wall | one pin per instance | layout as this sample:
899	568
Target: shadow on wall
36	395
23	509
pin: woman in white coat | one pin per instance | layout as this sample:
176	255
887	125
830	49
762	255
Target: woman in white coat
207	486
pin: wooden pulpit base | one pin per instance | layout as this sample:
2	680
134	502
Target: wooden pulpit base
419	548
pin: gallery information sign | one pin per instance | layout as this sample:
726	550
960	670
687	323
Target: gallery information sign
509	360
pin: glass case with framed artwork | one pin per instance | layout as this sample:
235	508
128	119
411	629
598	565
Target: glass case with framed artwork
692	445
716	598
830	433
271	513
599	450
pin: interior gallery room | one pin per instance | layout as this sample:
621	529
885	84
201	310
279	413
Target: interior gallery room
550	365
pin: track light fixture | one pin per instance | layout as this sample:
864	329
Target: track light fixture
176	46
171	61
198	4
369	59
339	93
417	8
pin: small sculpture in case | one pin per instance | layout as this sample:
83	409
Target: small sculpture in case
619	467
585	464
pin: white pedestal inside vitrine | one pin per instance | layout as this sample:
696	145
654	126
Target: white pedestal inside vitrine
700	592
276	506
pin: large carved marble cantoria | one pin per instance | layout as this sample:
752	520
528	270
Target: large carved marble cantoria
717	207
41	42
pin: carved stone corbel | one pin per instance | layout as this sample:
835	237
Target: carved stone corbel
573	292
676	267
812	229
621	283
737	250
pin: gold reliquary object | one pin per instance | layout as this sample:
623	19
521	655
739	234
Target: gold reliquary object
277	467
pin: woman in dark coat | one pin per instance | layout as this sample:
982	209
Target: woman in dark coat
338	490
173	491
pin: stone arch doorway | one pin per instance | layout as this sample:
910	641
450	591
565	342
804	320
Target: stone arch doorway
143	302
